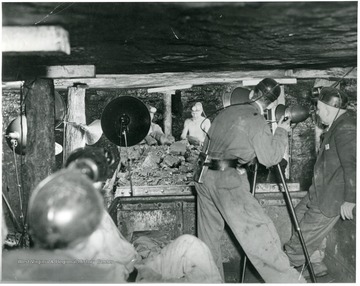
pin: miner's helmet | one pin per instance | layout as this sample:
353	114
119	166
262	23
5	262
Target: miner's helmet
98	161
267	90
63	210
333	97
238	95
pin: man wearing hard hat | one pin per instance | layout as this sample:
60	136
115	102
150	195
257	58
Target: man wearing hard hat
77	241
332	194
237	135
196	127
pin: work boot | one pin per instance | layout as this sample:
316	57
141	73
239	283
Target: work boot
320	270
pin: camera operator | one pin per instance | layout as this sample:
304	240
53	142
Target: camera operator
332	193
237	135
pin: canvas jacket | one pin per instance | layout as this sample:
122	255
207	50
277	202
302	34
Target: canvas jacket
241	132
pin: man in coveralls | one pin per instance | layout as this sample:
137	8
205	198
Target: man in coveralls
237	135
333	191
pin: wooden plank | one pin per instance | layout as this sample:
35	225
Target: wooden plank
320	82
70	71
40	151
75	115
12	85
169	88
255	81
35	39
157	80
61	71
201	78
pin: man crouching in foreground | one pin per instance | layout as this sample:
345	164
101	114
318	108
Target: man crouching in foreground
77	241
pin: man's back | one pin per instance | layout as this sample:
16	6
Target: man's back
241	132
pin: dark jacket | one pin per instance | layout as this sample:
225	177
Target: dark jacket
334	180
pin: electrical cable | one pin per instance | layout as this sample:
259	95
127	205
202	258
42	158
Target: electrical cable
18	186
21	181
336	83
13	216
22	106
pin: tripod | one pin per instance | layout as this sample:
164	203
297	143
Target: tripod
294	220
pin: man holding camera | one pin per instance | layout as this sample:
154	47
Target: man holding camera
237	135
332	193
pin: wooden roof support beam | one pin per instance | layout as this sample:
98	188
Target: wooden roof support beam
168	89
157	80
255	81
63	71
35	40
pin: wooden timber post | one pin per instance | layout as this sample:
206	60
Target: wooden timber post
40	150
75	115
167	92
167	113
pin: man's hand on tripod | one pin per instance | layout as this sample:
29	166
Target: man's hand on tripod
284	123
346	210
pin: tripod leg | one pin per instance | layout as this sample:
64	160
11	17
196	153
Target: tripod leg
244	260
129	166
296	223
243	268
